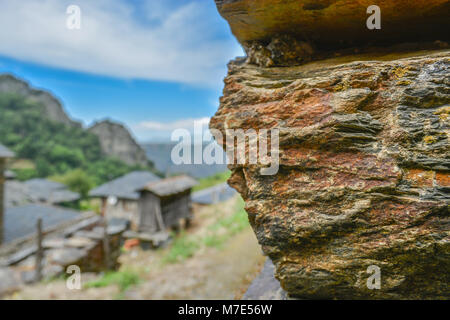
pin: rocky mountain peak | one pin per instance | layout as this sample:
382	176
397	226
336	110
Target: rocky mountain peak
53	107
116	141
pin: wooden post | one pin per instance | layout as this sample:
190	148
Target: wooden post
106	248
190	216
159	217
103	207
39	251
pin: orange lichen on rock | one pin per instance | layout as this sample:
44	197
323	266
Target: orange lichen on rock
443	179
420	178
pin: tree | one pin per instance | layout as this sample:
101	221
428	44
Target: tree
76	180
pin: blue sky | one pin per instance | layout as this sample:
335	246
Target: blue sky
154	65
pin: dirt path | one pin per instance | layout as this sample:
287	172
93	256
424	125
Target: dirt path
212	274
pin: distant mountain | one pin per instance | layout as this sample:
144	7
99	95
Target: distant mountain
160	155
116	141
53	109
35	126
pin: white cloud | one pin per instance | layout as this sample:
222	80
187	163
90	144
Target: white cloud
169	126
153	130
160	40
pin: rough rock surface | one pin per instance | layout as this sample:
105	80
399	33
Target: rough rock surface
53	107
116	141
280	32
364	172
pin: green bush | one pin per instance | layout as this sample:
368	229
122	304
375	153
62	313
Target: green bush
77	180
183	247
25	174
123	279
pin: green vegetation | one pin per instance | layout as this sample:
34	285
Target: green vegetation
77	180
225	228
185	246
212	180
182	248
68	154
123	279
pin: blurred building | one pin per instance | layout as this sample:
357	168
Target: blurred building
120	197
164	203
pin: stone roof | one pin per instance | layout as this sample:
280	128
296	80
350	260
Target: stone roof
125	187
21	221
37	191
43	190
16	194
5	152
170	186
218	193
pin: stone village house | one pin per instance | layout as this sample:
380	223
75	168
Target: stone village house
120	197
148	203
68	237
164	203
22	204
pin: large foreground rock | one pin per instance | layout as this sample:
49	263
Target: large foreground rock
364	172
279	32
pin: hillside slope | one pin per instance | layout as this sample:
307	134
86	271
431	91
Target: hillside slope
53	109
39	130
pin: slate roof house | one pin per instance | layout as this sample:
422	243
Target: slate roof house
164	203
21	221
22	204
49	192
4	154
16	194
120	197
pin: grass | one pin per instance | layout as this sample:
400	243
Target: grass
226	227
212	180
182	248
90	205
123	279
185	246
